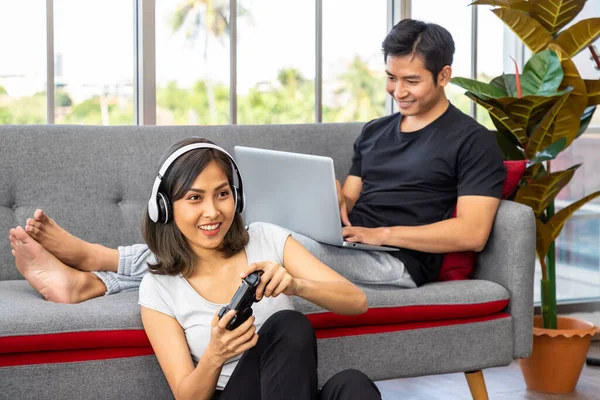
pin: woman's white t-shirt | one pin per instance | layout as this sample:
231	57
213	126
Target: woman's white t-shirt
174	296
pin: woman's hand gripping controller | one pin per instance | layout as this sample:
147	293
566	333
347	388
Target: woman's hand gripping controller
242	301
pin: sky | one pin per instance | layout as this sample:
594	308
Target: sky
95	40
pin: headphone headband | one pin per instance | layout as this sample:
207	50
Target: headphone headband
153	208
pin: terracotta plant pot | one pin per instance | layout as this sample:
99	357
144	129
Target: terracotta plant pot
558	355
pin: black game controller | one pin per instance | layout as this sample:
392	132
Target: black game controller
242	301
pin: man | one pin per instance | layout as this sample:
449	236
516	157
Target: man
409	171
410	168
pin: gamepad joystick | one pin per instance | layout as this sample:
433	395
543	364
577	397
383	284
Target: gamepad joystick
242	301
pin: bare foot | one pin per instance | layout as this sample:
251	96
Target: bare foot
70	249
54	280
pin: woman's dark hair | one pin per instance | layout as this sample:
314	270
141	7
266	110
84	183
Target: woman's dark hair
173	253
430	41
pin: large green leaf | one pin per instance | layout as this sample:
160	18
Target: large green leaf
549	153
568	120
550	230
514	4
579	36
531	32
592	87
542	74
538	194
509	150
507	83
586	118
482	89
518	131
529	110
554	14
541	137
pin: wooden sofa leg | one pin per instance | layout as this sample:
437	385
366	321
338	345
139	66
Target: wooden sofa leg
477	385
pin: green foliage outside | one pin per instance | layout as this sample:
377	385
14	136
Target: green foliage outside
62	99
24	110
359	96
90	112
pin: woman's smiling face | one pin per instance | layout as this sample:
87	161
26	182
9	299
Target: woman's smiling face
205	213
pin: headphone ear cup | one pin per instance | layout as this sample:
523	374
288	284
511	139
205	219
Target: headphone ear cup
165	211
239	201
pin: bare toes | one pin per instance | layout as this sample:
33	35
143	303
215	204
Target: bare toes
34	223
32	229
21	235
40	215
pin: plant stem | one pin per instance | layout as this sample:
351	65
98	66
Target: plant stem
548	286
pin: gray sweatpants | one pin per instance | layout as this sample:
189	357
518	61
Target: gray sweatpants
368	268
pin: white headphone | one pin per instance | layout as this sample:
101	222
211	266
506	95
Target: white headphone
159	205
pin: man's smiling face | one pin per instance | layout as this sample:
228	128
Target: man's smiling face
412	86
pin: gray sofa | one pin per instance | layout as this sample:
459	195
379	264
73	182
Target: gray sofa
95	180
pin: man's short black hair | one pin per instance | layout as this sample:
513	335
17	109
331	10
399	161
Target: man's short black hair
430	41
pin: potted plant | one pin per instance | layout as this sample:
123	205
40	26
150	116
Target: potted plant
538	114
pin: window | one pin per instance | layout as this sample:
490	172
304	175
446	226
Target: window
491	53
23	65
93	52
353	66
578	246
276	61
192	62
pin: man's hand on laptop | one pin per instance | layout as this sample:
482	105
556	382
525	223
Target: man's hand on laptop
342	204
374	236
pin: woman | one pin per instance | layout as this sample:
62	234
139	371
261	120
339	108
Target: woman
202	249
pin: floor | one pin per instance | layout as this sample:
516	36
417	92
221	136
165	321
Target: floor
502	383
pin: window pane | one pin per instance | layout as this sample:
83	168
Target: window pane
491	53
23	64
578	246
353	67
276	61
93	76
455	16
192	62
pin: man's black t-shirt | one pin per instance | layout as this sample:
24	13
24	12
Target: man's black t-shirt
414	178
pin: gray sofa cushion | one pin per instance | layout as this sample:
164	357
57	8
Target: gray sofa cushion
27	313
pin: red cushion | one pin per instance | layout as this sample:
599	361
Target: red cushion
460	265
514	172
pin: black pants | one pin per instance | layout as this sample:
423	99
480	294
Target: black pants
283	365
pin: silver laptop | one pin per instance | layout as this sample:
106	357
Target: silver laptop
294	191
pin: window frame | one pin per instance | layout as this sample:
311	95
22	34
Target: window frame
145	58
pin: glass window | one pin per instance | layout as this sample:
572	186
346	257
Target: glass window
578	246
23	64
276	61
353	66
490	53
93	51
455	16
192	62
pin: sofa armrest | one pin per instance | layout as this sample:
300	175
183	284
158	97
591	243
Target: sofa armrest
509	260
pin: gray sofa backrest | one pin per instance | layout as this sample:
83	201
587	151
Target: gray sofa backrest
96	180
